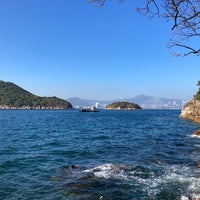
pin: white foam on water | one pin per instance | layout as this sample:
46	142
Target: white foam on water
184	198
194	136
194	188
152	184
108	171
183	175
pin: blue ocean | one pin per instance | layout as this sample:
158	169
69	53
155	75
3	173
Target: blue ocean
107	155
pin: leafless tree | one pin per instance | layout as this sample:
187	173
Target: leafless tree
185	18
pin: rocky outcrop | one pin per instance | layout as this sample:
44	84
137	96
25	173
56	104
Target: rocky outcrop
197	133
191	111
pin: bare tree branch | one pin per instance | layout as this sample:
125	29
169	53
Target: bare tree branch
186	28
100	3
185	18
190	50
147	10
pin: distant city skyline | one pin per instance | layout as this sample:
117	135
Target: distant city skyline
146	102
72	49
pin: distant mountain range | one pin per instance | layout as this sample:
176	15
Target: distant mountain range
146	102
13	96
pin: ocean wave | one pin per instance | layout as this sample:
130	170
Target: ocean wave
165	182
194	136
110	171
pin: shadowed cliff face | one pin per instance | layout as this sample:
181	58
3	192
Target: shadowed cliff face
191	111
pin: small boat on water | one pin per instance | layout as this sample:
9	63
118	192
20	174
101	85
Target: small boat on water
92	109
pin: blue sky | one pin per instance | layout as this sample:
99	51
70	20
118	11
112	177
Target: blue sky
72	49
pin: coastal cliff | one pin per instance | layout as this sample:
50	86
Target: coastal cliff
191	111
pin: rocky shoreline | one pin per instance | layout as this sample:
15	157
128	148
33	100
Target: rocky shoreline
191	111
6	107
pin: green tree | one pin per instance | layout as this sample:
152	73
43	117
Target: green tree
185	18
197	95
198	84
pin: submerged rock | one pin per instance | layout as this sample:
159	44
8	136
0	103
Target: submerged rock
197	133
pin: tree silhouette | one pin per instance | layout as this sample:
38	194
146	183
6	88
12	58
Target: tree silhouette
197	95
185	18
198	84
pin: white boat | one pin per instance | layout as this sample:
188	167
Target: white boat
92	109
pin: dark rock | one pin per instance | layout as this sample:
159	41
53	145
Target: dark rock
197	133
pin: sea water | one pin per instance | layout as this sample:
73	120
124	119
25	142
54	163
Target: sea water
144	154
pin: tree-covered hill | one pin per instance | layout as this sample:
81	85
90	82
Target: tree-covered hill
123	106
13	96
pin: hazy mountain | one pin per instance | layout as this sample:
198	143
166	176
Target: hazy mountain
148	102
77	102
101	103
156	102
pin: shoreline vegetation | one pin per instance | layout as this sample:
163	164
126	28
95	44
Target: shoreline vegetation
15	97
31	108
123	106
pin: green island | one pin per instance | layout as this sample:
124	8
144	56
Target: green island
15	97
122	105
